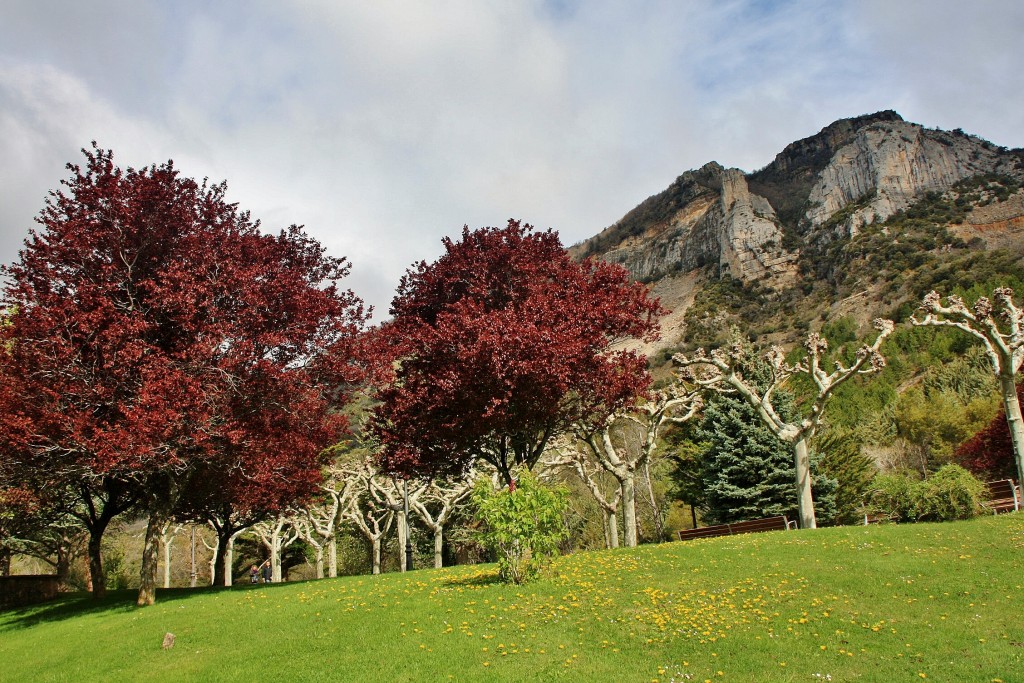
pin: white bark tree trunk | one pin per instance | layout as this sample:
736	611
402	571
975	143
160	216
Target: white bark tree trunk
166	540
805	500
332	558
438	546
229	561
229	558
629	510
376	555
612	524
320	562
1014	421
213	559
402	528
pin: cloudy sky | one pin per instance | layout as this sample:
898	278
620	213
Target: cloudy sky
383	126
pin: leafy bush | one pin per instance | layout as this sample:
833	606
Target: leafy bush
523	525
951	493
116	568
895	496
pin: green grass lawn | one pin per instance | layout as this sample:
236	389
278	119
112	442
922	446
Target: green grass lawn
938	602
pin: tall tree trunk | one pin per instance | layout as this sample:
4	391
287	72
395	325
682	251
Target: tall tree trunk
438	546
612	523
629	510
228	565
375	553
275	560
150	556
401	540
319	562
96	575
1014	422
332	558
805	500
167	563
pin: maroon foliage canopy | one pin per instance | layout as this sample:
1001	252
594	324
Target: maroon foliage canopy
156	331
502	343
989	453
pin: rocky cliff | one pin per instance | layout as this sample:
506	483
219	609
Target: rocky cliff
753	226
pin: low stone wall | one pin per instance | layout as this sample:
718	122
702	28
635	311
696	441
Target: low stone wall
27	589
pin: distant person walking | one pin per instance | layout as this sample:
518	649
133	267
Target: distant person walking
254	574
268	572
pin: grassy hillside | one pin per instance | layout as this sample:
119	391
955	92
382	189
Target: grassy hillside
889	603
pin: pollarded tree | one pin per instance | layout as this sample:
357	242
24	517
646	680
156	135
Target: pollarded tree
437	504
364	511
276	535
318	521
568	454
624	444
387	492
723	371
161	331
503	343
1000	328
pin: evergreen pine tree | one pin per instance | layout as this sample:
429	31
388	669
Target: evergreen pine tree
839	457
746	472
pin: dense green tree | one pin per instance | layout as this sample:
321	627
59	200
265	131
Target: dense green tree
728	372
746	472
839	458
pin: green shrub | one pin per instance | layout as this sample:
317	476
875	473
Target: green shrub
523	526
895	496
951	493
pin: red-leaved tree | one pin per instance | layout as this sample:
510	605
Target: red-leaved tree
160	335
989	453
501	344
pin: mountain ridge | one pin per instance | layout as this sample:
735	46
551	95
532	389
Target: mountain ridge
783	232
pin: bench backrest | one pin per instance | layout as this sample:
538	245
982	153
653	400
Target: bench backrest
779	523
1003	493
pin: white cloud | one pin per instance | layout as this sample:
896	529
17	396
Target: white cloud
384	126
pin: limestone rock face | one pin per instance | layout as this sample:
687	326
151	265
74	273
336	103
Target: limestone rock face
751	225
750	246
675	231
888	166
715	219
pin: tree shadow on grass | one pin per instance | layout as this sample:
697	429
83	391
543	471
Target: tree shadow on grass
480	579
73	605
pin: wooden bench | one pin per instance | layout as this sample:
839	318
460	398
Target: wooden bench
1002	496
779	523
